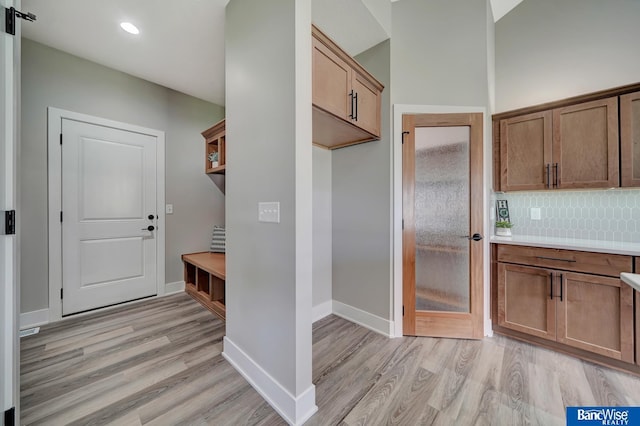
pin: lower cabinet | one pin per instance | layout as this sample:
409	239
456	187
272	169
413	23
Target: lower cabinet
595	314
525	300
586	311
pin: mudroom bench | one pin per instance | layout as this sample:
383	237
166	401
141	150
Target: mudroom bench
204	277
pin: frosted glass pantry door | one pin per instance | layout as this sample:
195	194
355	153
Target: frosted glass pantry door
442	223
442	219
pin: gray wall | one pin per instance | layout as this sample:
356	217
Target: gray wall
54	78
269	272
439	52
548	50
322	258
361	189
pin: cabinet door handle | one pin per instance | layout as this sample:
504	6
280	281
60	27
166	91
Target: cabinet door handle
555	175
555	258
551	285
561	285
548	167
351	116
355	102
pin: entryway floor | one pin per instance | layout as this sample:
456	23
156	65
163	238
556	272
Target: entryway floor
158	362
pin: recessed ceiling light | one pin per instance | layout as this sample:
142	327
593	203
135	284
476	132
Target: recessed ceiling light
129	27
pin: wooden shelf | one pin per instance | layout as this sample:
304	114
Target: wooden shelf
217	170
204	277
215	141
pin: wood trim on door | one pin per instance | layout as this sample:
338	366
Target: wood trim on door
408	224
444	324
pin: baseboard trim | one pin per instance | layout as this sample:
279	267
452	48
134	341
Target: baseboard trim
363	318
488	328
322	310
294	410
172	288
34	318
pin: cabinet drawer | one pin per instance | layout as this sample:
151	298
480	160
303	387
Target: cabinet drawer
569	260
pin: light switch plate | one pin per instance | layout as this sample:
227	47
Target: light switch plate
168	209
535	213
269	212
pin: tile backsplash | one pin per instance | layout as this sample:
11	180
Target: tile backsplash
604	215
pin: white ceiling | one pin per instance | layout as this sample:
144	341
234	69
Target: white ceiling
181	43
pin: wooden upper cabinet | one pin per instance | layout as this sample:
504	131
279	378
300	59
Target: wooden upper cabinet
346	98
331	81
366	103
585	145
630	138
574	146
525	152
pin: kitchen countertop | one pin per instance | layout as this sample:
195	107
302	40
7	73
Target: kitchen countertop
632	279
610	247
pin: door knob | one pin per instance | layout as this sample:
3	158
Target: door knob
476	237
149	228
151	217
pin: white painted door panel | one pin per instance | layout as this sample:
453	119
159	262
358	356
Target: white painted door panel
9	344
108	193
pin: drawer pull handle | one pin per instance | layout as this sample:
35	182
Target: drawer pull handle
551	285
555	258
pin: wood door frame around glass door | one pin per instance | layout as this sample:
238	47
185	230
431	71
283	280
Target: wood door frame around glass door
444	324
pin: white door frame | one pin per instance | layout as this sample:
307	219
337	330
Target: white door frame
396	206
10	265
55	116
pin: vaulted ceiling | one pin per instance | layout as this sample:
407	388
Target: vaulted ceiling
181	44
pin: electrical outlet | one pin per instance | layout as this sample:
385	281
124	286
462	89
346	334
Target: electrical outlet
535	213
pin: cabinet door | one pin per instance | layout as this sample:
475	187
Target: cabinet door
525	300
366	114
525	152
630	138
331	81
585	145
596	314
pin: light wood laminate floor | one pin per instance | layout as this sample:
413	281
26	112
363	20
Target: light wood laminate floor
158	363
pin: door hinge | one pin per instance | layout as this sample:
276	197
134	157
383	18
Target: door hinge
10	222
61	293
60	138
61	216
402	310
10	417
404	133
10	15
402	223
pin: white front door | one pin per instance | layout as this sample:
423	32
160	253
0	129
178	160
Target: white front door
9	344
109	244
